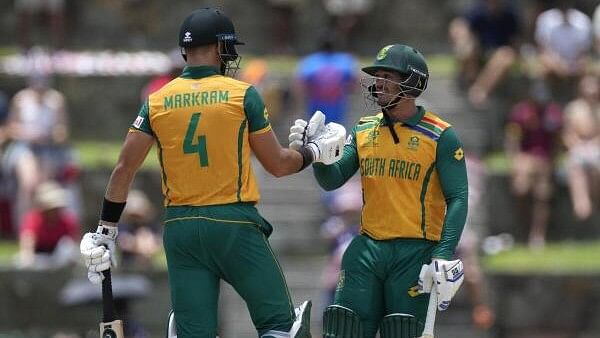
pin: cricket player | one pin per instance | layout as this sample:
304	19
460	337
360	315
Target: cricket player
205	125
414	184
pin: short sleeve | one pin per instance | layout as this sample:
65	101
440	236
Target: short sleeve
142	121
256	112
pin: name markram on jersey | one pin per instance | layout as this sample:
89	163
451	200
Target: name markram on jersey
193	99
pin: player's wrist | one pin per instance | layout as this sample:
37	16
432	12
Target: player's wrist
308	156
111	212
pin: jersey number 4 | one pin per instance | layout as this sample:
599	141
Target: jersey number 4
199	147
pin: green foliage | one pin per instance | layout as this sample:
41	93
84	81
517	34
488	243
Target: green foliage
566	258
97	154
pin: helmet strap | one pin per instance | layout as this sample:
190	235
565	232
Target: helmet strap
390	123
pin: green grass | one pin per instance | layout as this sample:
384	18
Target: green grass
8	250
578	258
93	154
439	64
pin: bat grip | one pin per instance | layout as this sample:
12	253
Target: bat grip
108	310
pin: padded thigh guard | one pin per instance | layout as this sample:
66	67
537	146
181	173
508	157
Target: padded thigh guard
398	325
341	322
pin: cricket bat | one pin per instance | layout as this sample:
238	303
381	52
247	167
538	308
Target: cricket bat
110	327
431	312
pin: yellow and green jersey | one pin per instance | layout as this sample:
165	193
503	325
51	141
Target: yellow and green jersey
201	122
416	188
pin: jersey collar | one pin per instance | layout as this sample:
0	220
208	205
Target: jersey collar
198	72
413	120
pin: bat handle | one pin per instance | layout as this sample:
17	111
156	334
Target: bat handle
108	310
431	312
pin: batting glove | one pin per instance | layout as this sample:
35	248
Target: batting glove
448	276
97	249
302	132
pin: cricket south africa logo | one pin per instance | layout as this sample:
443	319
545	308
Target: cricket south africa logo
187	37
413	143
372	138
383	52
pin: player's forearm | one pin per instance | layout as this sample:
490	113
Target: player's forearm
289	162
119	183
456	215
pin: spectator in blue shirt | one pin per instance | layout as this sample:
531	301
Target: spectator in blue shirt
325	80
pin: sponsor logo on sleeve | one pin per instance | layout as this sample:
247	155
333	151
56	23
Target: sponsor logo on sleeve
459	154
138	122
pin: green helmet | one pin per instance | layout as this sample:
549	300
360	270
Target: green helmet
405	60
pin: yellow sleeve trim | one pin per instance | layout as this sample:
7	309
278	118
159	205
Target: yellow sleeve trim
262	131
134	130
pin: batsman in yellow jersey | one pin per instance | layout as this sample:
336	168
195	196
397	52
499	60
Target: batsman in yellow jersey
414	185
205	125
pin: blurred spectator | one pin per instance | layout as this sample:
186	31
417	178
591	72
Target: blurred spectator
596	24
345	205
484	42
282	24
325	79
531	143
564	38
482	316
345	17
157	82
38	120
275	91
582	138
49	232
139	239
52	12
6	225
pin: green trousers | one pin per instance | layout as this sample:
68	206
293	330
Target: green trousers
378	278
206	244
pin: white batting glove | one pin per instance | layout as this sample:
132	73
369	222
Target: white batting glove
328	146
448	276
97	249
301	132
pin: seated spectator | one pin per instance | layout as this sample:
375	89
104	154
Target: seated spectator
531	144
484	42
564	38
29	11
325	79
581	136
38	121
139	239
346	17
281	25
49	232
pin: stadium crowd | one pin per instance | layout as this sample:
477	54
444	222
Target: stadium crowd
551	131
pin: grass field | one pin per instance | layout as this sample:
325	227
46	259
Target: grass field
572	258
568	258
